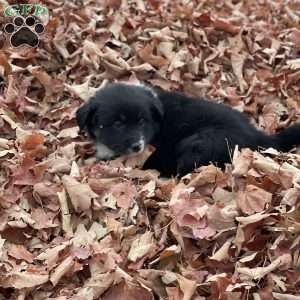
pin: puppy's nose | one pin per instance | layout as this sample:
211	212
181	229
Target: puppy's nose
136	147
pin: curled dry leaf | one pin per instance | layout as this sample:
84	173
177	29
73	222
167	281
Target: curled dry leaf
21	280
80	194
123	194
51	255
82	237
141	246
253	199
147	56
222	253
260	272
254	218
188	287
241	161
237	61
20	252
69	133
61	270
83	91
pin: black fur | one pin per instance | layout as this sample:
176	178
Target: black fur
186	132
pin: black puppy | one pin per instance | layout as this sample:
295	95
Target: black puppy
186	132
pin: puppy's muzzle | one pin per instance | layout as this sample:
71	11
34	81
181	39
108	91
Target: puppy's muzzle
138	146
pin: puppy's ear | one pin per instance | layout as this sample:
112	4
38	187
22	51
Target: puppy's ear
83	114
156	105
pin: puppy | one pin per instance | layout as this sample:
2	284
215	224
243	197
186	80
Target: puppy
121	119
186	132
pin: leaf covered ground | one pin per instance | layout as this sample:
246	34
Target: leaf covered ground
72	228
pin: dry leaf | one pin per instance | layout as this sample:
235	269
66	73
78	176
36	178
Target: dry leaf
140	246
80	194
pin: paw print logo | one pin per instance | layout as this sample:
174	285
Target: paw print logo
24	32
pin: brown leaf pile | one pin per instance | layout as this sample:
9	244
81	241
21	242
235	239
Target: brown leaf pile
71	228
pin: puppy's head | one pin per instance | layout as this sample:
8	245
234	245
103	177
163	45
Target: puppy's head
121	119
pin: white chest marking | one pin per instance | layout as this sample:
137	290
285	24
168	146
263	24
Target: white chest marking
103	152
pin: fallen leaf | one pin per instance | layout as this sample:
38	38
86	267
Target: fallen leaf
260	272
61	270
147	56
237	62
140	246
83	91
21	280
69	133
253	199
20	252
80	194
128	292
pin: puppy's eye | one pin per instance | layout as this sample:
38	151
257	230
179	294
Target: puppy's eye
118	124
